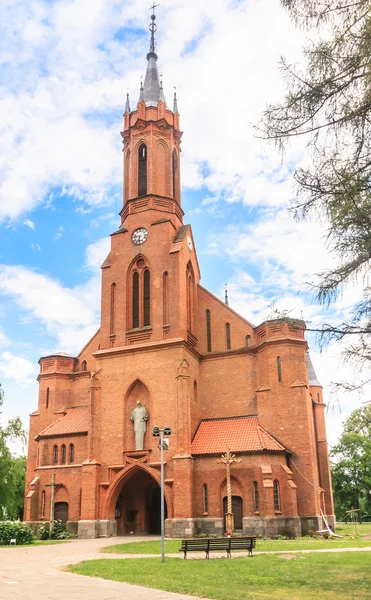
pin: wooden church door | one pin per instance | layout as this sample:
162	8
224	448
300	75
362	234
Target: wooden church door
236	510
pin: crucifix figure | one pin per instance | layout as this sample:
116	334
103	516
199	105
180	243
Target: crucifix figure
228	459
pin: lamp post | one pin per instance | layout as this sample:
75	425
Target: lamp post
163	445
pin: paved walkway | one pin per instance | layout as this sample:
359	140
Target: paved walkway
34	573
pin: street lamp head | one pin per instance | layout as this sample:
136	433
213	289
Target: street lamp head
167	430
156	431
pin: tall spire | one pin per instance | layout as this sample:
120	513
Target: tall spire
152	90
175	104
127	105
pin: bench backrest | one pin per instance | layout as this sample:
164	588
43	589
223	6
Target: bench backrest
232	542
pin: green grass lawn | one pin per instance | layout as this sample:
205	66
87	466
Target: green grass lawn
340	576
38	543
172	546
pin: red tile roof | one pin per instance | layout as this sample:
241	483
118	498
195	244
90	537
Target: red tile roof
240	434
76	420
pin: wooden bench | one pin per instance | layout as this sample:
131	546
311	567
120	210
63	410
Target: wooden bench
208	545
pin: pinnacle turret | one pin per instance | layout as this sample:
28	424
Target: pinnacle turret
127	105
312	377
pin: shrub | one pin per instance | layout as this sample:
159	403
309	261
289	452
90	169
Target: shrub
59	531
21	532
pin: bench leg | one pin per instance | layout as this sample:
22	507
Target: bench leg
207	554
185	555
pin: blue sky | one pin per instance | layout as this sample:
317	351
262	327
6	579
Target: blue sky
66	68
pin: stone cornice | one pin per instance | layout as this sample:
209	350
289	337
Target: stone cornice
147	347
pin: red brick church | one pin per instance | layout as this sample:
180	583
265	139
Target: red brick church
193	364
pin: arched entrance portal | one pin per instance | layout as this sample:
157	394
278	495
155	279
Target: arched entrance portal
138	506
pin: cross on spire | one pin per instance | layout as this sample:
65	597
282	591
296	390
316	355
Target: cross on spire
153	27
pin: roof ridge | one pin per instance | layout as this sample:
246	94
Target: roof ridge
228	418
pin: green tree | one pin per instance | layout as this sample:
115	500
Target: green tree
12	469
328	103
351	464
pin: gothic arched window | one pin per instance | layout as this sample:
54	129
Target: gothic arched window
190	297
248	341
72	454
84	365
135	300
146	298
276	496
165	298
55	455
228	335
43	498
112	309
142	170
139	294
205	498
208	329
175	169
63	454
256	496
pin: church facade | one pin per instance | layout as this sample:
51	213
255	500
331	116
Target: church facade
170	353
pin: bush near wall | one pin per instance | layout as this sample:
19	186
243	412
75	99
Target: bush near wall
59	531
21	532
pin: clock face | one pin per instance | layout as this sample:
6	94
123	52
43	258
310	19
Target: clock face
139	236
189	243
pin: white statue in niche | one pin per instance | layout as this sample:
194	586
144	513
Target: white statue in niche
139	416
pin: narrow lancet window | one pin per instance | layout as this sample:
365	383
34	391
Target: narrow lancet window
63	454
43	498
112	310
55	455
72	454
84	365
276	495
248	341
146	298
142	170
256	496
279	369
228	335
206	499
165	297
208	330
175	166
47	397
135	300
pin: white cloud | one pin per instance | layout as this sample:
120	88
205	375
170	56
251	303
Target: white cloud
59	232
70	315
29	224
70	73
17	368
4	341
96	253
35	248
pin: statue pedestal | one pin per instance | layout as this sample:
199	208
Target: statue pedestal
229	522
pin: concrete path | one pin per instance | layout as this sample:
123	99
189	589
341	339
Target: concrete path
33	573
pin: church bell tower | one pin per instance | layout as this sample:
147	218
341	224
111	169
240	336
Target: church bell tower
151	140
152	267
